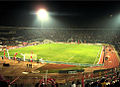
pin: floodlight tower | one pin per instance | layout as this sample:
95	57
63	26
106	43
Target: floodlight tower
42	15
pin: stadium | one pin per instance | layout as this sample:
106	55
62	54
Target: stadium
54	56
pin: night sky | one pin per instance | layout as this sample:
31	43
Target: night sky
63	13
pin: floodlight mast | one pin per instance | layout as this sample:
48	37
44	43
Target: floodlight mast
42	14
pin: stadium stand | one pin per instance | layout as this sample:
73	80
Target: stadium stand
110	79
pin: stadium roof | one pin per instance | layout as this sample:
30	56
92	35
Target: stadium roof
62	28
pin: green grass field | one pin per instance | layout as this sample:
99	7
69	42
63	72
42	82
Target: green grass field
73	53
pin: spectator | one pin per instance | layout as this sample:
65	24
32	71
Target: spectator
103	83
73	84
37	84
78	84
56	84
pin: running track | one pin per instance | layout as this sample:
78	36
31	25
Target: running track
113	59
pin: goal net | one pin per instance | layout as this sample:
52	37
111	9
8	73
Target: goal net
28	56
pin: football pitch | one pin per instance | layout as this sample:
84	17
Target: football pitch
62	52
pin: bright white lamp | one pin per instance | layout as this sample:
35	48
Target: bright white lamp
42	14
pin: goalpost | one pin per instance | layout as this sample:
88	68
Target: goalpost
28	56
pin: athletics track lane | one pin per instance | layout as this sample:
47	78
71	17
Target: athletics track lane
112	60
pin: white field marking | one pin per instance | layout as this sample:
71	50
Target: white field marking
110	61
108	56
100	56
97	56
70	58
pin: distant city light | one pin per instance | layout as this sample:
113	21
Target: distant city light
42	14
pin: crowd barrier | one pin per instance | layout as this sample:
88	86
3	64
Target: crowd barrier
71	71
77	64
102	70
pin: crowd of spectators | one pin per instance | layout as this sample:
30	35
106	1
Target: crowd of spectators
91	36
109	79
109	36
105	81
67	35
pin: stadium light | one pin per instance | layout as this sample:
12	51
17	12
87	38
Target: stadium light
42	14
